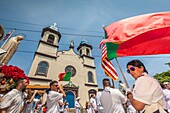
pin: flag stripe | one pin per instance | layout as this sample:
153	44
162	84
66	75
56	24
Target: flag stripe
109	73
107	68
104	53
107	65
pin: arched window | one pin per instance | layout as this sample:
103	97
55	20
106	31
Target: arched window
87	52
50	39
90	77
80	52
42	68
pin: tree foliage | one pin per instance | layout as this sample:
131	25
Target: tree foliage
163	77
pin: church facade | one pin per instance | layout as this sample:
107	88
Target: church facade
48	63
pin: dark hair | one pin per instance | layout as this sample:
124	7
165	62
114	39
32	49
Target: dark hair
19	81
106	82
137	63
162	85
92	95
52	82
47	90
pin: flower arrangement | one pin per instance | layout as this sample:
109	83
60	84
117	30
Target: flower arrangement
10	74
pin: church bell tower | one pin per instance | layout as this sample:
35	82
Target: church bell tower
45	55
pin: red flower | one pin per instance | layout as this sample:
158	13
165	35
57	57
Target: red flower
12	74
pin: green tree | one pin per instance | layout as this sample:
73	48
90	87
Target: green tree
167	64
163	77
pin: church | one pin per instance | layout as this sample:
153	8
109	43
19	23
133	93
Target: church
48	63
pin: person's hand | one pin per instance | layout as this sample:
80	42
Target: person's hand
128	90
95	110
60	88
35	91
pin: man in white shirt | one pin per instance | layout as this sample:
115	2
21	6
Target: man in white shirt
77	105
112	99
93	102
11	102
53	97
166	92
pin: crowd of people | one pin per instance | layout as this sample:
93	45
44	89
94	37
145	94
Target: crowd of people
146	96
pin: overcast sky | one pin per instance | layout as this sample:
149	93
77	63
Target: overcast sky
84	17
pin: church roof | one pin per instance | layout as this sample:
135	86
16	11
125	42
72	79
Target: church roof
84	41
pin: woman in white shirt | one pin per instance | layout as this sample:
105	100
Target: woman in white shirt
147	93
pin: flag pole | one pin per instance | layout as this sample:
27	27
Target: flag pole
113	85
122	73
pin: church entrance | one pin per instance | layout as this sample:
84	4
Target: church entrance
70	99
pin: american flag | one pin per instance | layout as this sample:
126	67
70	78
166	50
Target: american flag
8	34
107	65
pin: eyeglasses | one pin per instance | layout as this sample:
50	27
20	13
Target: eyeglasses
131	69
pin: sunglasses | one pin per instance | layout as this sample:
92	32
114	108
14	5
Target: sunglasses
55	85
131	69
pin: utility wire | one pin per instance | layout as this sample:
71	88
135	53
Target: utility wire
58	44
60	32
27	23
21	22
98	55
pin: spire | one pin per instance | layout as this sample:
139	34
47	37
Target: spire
84	41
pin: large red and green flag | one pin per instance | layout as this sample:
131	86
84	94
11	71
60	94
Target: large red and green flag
64	76
147	34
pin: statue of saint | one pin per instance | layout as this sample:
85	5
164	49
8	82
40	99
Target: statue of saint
10	47
54	27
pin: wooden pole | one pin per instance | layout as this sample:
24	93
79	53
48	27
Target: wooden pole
122	73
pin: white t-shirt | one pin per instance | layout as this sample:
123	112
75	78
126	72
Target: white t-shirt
28	108
166	93
77	106
1	95
93	102
112	100
12	101
147	90
61	108
52	101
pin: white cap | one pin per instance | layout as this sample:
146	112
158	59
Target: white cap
165	83
78	98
